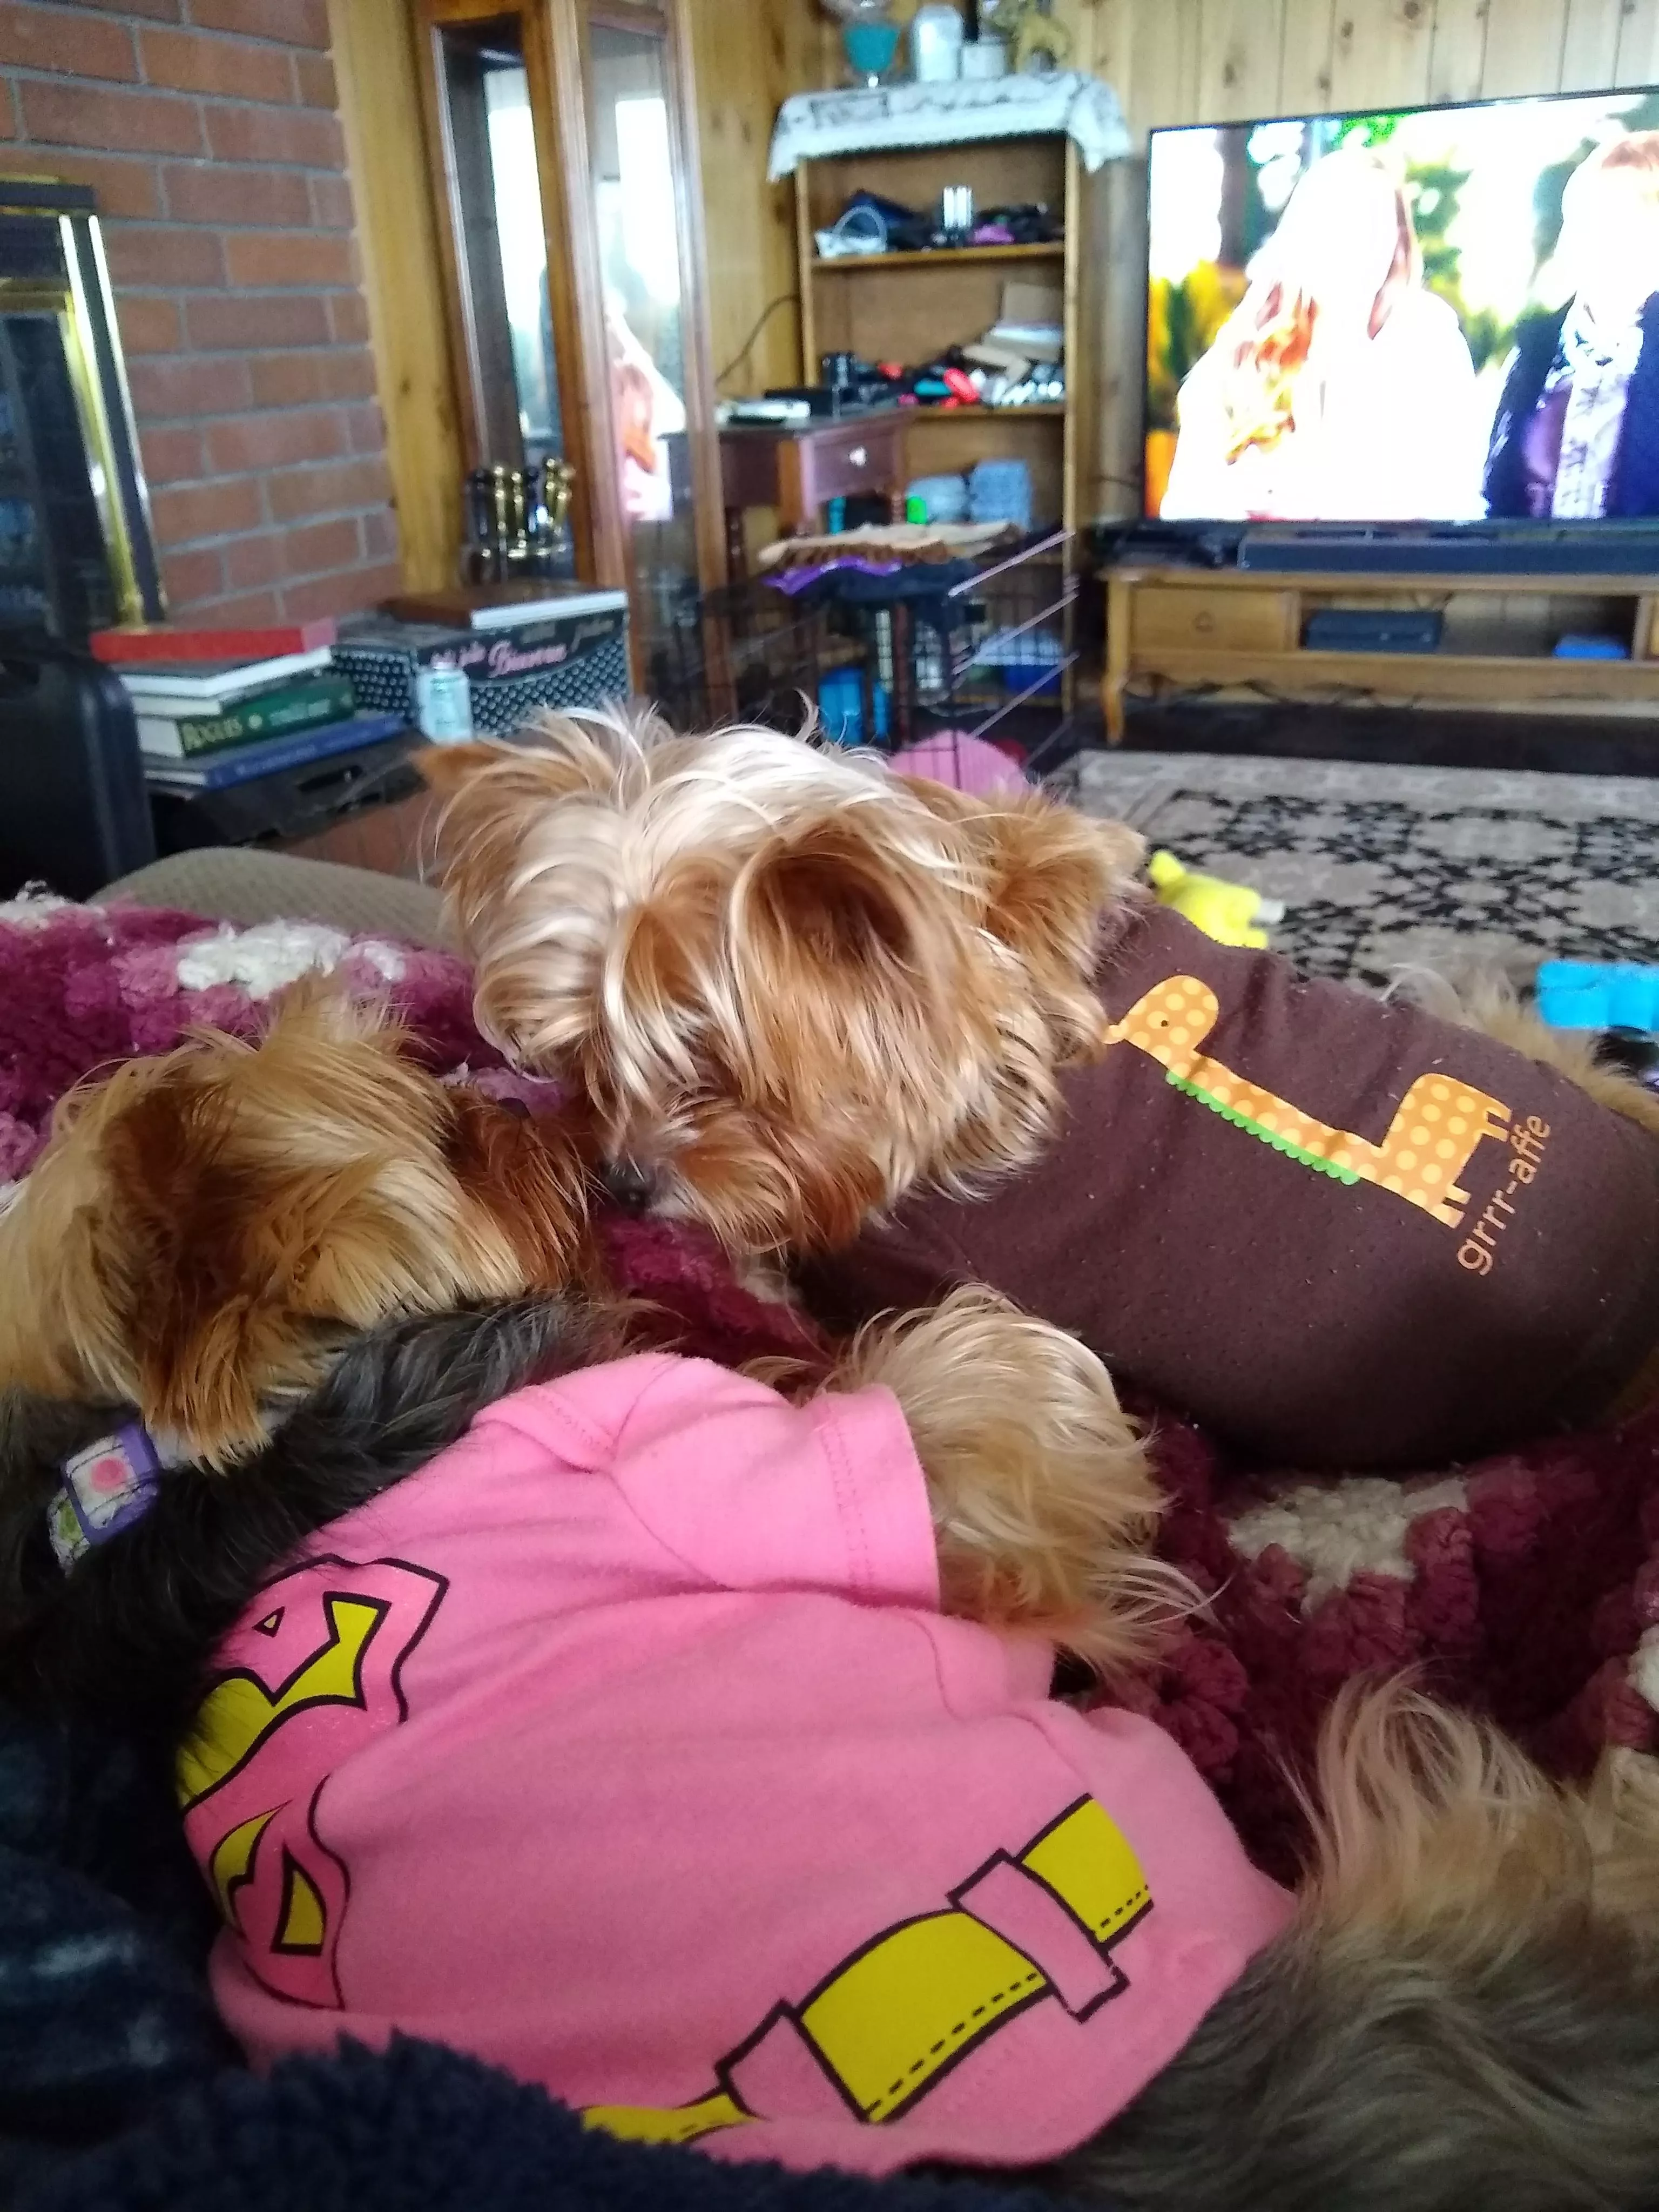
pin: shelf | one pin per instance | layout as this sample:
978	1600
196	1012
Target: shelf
1491	678
1045	410
1051	250
1389	582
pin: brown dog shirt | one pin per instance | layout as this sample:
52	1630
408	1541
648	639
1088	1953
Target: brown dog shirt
1341	1233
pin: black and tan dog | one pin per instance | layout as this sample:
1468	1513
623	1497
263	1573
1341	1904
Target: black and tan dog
280	1325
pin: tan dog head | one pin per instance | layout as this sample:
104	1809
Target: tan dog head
204	1229
790	983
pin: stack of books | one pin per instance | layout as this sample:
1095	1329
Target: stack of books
220	706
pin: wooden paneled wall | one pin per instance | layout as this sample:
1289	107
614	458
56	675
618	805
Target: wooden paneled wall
1181	61
749	56
1177	61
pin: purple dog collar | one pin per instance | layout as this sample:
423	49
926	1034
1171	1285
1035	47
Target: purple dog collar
105	1488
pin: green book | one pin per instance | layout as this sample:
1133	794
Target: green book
281	713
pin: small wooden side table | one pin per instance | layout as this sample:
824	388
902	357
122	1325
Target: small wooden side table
798	467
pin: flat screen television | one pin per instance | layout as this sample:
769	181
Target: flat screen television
1432	315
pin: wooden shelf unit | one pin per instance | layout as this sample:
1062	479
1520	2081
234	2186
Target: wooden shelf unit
953	297
1219	629
1039	411
930	256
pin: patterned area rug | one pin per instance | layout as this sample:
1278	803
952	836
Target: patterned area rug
1383	866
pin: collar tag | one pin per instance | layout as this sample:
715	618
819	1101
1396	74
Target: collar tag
105	1488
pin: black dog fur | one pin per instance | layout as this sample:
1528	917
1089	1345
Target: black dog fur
123	1638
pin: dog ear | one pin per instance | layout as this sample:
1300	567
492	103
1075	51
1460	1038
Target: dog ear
202	1303
1053	881
530	1175
240	1255
841	895
321	1010
1055	873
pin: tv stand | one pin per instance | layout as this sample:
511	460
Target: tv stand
1241	628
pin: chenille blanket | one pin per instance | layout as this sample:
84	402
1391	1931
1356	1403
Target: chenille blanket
1526	1586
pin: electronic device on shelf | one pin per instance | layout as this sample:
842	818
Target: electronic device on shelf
778	413
1379	322
1158	544
1604	548
1373	630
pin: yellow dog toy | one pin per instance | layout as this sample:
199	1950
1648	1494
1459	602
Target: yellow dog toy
1230	913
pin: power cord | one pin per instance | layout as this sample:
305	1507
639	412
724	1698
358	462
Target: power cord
783	300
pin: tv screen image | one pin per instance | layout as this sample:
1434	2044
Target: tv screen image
1430	315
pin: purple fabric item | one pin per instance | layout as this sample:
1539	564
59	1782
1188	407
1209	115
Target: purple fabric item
797	580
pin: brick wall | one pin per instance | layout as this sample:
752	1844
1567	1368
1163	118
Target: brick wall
208	130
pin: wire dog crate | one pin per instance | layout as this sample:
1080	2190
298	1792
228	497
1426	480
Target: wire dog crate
923	655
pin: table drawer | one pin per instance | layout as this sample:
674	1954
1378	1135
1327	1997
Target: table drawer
1163	617
835	465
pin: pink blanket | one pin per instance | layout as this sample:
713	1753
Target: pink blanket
1528	1585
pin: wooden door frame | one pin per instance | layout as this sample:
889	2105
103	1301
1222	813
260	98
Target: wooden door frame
698	323
554	38
673	20
565	90
574	298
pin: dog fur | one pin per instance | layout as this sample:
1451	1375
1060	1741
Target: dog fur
206	1228
1464	2012
207	1231
796	989
789	986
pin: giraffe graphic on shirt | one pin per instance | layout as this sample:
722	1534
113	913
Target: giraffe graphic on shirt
1429	1143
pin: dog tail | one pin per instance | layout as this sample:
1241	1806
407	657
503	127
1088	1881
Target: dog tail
1464	2014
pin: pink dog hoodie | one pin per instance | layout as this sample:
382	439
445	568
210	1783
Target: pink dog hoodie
625	1746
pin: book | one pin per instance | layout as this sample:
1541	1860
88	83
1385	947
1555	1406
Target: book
242	764
504	606
209	688
136	643
283	712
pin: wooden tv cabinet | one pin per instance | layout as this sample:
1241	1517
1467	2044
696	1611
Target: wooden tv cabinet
1241	628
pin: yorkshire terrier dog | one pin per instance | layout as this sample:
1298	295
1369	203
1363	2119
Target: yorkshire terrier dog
911	1038
215	1237
206	1230
689	1749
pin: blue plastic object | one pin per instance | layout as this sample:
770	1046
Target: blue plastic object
1598	994
870	47
945	498
1001	491
841	704
1583	644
